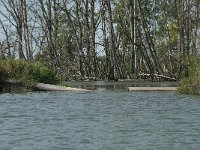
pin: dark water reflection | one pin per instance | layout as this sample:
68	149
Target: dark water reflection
99	120
119	85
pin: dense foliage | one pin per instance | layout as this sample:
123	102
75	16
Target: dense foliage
104	39
26	73
191	84
41	73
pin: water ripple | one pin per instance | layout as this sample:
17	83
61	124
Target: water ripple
100	120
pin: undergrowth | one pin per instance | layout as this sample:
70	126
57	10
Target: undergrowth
26	73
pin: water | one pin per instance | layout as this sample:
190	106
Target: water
99	120
112	85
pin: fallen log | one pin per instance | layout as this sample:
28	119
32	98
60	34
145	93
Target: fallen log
165	78
50	87
156	77
152	88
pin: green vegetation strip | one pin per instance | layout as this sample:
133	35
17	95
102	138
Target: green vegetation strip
25	74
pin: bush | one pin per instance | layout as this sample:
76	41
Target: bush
26	72
42	74
191	85
6	70
188	86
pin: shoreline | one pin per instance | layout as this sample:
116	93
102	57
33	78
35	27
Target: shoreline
51	87
152	88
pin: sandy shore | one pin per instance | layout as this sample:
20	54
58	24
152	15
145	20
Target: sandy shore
50	87
152	88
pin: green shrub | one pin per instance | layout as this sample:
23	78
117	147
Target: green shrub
40	73
191	85
26	72
5	70
187	86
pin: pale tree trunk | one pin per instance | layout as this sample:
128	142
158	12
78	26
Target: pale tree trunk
114	64
8	41
90	30
49	19
111	43
169	46
92	39
184	37
105	40
195	38
26	41
20	30
150	44
77	31
88	45
80	39
132	20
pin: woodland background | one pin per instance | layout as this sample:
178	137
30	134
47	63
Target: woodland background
103	39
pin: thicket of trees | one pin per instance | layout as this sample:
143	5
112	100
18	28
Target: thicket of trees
103	39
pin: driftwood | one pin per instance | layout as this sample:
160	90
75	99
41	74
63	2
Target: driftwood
156	77
152	88
50	87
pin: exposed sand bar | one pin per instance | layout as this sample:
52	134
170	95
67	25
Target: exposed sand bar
152	88
50	87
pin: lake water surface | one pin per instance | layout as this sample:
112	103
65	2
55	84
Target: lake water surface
99	120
